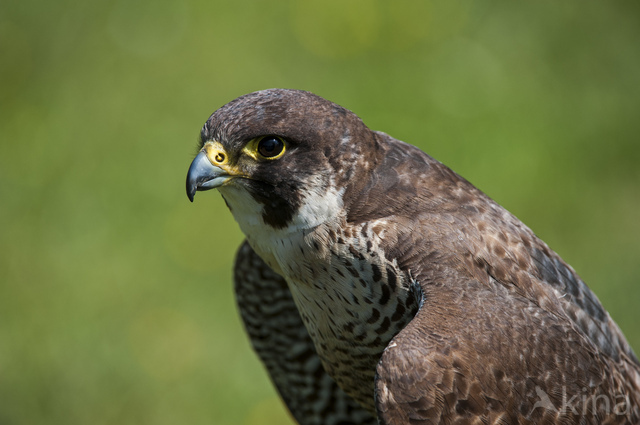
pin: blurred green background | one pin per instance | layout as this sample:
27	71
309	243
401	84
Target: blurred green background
116	304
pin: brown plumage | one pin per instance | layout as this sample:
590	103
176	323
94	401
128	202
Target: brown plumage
378	285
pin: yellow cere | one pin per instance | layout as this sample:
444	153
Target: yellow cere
216	153
220	158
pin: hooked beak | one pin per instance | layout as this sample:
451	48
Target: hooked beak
203	175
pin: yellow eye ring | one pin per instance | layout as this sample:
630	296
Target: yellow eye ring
265	148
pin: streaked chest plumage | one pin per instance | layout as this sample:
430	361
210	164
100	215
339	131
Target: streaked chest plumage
351	298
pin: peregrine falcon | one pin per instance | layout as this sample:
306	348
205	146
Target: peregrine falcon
379	286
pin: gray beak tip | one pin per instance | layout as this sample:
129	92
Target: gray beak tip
203	175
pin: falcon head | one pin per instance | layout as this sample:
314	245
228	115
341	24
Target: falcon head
283	158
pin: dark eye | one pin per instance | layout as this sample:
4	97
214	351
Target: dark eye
270	147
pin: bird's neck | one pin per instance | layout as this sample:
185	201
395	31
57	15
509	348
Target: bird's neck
320	206
352	299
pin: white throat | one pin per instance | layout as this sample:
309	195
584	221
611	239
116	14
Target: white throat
275	245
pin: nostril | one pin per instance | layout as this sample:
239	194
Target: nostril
219	157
